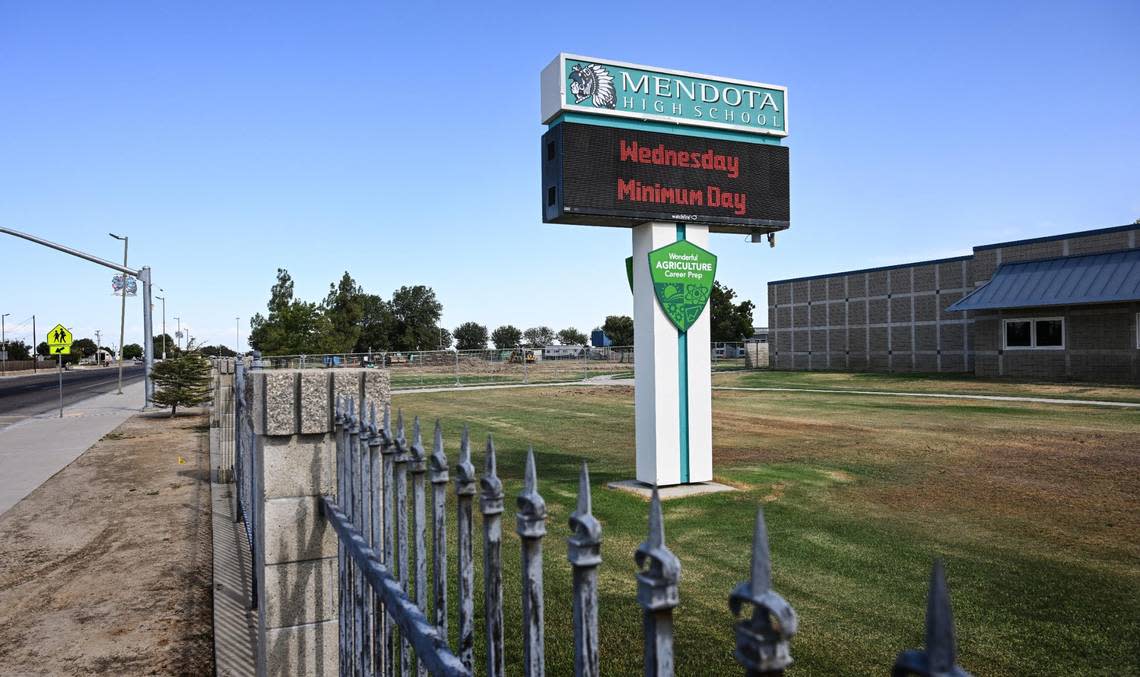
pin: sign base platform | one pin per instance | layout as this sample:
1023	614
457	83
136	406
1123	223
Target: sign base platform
665	493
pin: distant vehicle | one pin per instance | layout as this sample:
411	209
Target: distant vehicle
570	352
518	353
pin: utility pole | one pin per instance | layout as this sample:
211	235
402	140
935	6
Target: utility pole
35	349
143	274
237	336
122	308
4	340
163	299
178	333
98	345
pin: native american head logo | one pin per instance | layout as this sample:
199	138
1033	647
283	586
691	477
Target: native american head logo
591	81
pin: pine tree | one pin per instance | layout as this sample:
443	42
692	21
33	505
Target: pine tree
183	380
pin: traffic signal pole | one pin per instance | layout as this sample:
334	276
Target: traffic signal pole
143	274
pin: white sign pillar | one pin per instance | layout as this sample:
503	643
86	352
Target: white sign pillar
673	391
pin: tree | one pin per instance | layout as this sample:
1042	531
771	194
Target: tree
415	315
85	347
729	322
620	329
470	336
376	324
293	327
43	349
537	337
344	307
18	350
571	337
506	336
171	345
184	380
132	351
217	351
445	339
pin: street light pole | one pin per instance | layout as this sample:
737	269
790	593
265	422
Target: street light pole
122	308
144	276
163	299
237	336
178	333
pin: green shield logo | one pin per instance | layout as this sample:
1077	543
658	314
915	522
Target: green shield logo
682	276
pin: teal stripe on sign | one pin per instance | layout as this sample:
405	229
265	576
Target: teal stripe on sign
683	386
666	128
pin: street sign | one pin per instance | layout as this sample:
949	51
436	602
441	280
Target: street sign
59	340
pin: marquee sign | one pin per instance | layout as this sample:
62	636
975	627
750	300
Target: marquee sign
577	84
595	175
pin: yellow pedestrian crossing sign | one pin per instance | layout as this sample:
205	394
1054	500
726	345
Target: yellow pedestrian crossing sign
59	340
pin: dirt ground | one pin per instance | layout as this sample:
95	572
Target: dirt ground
107	567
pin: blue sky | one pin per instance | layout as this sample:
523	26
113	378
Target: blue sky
400	142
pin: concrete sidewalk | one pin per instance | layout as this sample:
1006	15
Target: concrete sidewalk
34	449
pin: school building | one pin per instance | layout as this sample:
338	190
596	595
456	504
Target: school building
1065	307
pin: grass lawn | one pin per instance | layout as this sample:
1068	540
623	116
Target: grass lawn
964	384
1032	507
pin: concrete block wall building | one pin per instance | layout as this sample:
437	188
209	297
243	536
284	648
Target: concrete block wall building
1054	308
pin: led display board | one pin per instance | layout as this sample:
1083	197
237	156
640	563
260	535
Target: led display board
609	176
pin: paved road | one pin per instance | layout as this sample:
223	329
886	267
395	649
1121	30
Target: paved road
25	396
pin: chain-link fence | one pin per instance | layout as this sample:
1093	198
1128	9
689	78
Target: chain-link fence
549	364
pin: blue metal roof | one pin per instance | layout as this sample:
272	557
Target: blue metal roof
1071	280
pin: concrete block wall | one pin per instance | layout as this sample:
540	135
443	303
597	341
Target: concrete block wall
886	319
295	464
894	319
1100	345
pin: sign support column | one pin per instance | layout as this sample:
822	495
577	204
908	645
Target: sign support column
671	372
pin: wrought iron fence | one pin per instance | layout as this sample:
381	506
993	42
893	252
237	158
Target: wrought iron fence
387	627
244	458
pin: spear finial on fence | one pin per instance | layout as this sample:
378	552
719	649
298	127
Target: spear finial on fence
465	470
531	527
491	498
660	568
373	430
762	640
401	440
660	572
491	505
939	658
438	459
353	418
531	515
585	544
386	426
585	554
417	447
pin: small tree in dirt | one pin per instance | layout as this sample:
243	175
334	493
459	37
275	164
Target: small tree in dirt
183	380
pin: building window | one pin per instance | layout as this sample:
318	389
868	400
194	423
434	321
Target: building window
1046	333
